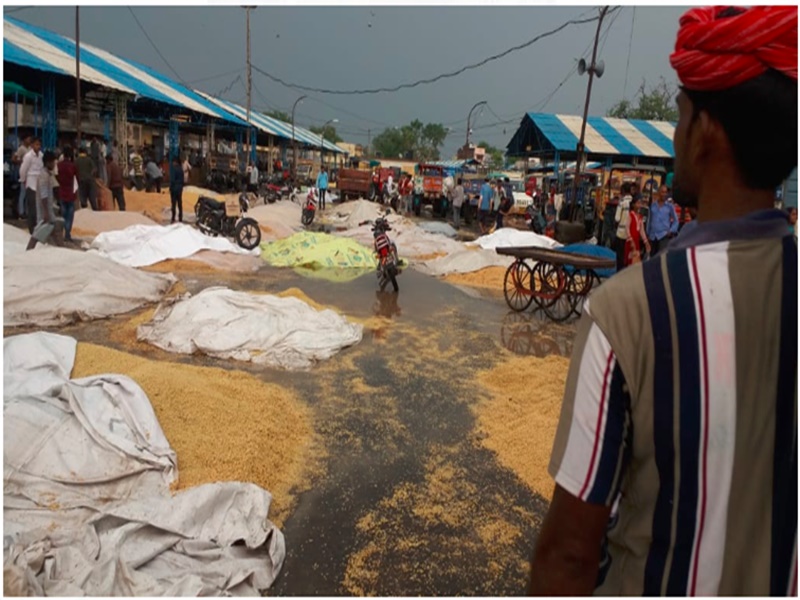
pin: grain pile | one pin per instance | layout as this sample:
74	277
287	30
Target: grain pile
490	277
224	425
89	222
519	421
208	261
149	204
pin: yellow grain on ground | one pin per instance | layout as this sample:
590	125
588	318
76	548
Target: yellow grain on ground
519	421
432	256
490	277
301	295
83	233
183	265
223	425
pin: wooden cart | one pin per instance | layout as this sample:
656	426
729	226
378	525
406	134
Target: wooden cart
557	281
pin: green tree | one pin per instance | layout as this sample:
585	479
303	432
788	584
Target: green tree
279	114
329	130
416	140
654	104
496	157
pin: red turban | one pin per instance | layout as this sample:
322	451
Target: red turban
714	53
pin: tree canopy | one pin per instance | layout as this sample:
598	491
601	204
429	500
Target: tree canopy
329	130
279	114
654	104
415	141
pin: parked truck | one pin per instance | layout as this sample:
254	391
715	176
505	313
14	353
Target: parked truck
429	189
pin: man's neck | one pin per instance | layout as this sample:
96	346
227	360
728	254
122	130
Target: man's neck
732	203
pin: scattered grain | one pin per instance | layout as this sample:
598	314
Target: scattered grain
519	421
490	277
224	425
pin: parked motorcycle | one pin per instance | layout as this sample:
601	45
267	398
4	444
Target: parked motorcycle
386	252
309	209
215	218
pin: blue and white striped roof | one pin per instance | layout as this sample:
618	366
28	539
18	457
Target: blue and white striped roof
271	125
37	48
608	136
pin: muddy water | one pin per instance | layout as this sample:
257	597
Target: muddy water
408	502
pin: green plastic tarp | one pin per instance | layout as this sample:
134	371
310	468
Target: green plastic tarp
319	252
10	88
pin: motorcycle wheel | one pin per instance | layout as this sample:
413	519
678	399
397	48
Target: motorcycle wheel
307	217
248	233
393	279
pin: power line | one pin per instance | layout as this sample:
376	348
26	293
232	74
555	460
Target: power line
431	79
212	77
628	64
152	43
9	11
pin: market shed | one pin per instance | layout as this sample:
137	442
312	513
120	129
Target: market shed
554	138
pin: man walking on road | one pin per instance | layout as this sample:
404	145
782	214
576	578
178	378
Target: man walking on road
662	224
675	459
116	183
46	221
322	185
32	167
485	206
176	188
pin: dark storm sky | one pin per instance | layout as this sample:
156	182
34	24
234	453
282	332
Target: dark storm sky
334	47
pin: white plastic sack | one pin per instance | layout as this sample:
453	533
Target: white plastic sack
56	286
264	329
86	498
464	261
143	245
508	237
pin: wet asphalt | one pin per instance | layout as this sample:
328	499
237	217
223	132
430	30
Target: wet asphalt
403	445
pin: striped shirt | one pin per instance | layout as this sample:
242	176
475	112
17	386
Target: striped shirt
680	413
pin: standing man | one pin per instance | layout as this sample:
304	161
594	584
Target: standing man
67	176
252	178
154	176
662	222
187	170
622	218
17	159
176	188
137	165
505	206
115	152
458	201
97	157
116	183
86	175
46	221
29	172
485	206
676	456
322	186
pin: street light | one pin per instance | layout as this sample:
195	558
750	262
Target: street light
294	141
322	139
469	120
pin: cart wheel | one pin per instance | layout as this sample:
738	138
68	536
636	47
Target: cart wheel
549	281
516	286
583	283
564	305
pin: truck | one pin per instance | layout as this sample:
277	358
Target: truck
354	183
429	189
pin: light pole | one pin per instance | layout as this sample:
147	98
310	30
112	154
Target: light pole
322	139
593	69
78	76
250	141
294	141
469	121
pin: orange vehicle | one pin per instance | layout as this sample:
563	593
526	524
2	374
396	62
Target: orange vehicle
429	189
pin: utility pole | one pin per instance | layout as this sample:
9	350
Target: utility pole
78	75
250	141
322	141
294	140
369	141
593	69
469	121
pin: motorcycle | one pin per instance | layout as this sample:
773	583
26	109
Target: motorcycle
386	252
309	209
213	219
535	220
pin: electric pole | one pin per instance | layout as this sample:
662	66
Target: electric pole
369	141
78	75
294	140
250	141
593	69
469	121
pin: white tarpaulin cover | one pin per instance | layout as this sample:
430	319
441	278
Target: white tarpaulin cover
86	497
508	237
466	260
264	329
143	245
56	286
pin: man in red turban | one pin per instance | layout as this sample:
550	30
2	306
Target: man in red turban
675	459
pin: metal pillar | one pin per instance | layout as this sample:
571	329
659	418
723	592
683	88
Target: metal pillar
240	147
557	163
106	127
49	118
121	129
174	139
36	117
253	145
16	120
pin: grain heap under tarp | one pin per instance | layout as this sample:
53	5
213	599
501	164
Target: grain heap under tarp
56	286
510	237
86	496
264	329
318	251
279	220
142	245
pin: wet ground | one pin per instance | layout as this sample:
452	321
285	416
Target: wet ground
408	502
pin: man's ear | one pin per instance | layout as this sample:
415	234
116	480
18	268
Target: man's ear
710	138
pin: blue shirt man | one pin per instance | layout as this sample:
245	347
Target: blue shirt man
662	221
487	193
322	180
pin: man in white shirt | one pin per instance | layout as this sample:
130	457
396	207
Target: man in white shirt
29	172
622	219
457	199
17	161
252	178
187	170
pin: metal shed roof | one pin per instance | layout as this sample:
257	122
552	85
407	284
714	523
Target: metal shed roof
605	136
271	125
37	48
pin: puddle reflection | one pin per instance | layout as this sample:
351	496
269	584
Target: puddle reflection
532	333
